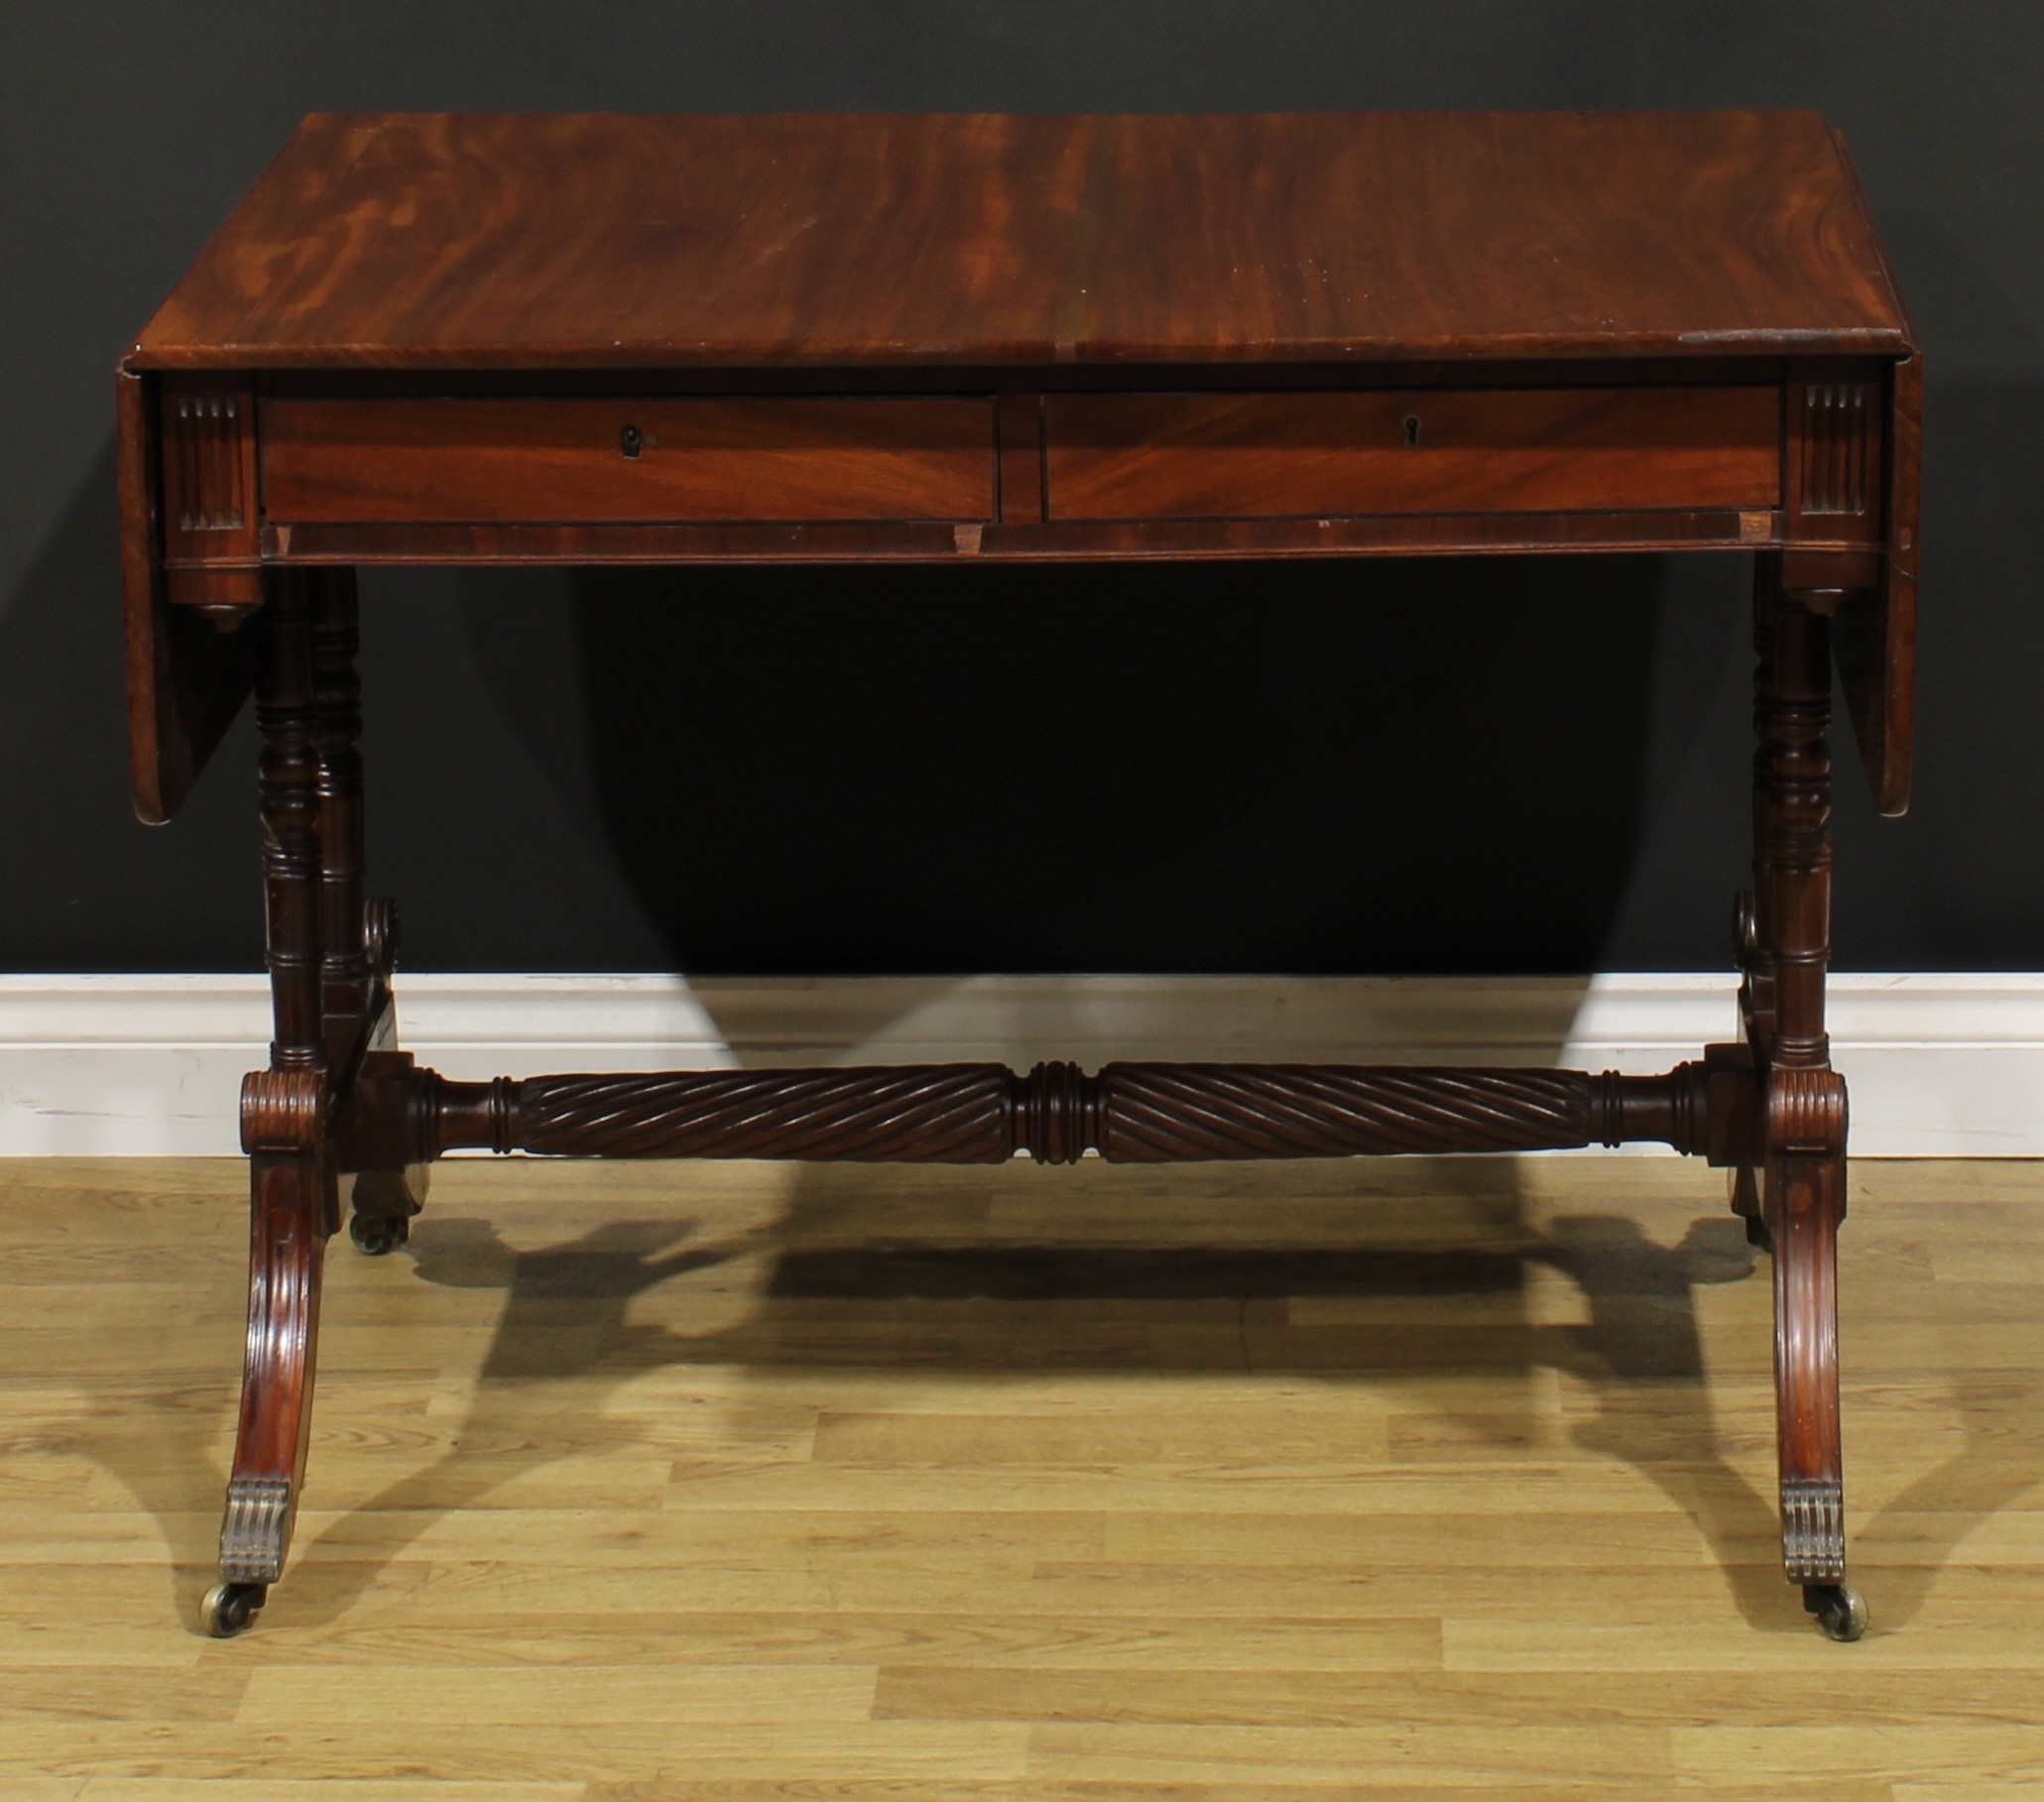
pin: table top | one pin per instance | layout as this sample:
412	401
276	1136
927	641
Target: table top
505	241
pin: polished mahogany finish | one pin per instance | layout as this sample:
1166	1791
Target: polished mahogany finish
1427	450
1130	1113
185	682
514	241
387	257
513	339
503	462
1189	540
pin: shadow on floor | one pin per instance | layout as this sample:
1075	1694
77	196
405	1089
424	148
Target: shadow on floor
1911	1538
981	1308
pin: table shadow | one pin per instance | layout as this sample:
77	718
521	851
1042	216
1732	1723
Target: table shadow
162	1433
565	1322
1910	1539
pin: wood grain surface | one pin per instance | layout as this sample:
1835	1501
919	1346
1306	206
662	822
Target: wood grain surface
491	240
1416	450
1875	637
511	462
1034	263
1435	1479
1074	541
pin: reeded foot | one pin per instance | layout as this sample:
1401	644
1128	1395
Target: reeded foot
255	1533
230	1607
1813	1531
1840	1611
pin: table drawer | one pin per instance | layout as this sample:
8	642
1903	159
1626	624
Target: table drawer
1414	450
523	461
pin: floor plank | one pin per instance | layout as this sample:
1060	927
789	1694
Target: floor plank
644	1484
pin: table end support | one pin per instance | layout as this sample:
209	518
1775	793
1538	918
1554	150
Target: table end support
294	1208
1785	953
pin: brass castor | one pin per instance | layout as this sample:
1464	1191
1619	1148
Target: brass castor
1840	1611
229	1608
377	1234
1757	1234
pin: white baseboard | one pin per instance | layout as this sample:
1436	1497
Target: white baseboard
1940	1066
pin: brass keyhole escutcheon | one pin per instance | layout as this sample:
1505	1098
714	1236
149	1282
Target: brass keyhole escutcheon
1411	431
631	441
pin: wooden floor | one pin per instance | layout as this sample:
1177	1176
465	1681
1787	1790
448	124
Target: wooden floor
663	1482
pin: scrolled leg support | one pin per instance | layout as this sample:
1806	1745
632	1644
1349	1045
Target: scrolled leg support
293	1208
1805	1198
1785	953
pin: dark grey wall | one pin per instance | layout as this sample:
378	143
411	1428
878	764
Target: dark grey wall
1234	768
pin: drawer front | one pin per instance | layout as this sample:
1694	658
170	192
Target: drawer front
1417	450
533	462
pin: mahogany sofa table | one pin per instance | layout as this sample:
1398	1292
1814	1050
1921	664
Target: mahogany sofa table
601	340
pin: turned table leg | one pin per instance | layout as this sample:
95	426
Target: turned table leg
1802	1149
358	940
292	1200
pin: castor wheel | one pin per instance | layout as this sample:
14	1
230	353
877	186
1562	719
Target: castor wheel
376	1234
1757	1236
1840	1611
230	1607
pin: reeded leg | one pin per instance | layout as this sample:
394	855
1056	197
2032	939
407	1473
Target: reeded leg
357	940
1803	1200
292	1198
293	1208
1803	1100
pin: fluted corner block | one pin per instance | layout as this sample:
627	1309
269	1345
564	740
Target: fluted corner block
255	1533
1806	1113
1813	1530
284	1111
